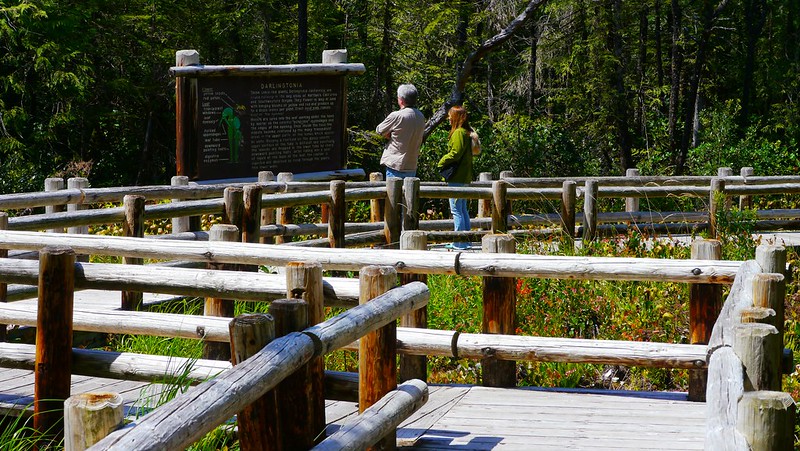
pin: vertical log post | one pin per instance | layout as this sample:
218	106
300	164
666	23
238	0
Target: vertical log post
716	206
3	286
772	260
503	176
632	203
590	191
745	201
284	214
293	394
233	196
499	313
568	195
392	211
769	291
766	419
485	205
78	183
304	280
53	364
499	206
410	203
54	184
375	205
180	225
267	214
258	422
757	346
251	214
185	98
414	366
723	173
705	303
90	417
132	227
337	214
216	306
377	351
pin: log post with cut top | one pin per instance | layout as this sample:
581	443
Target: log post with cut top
705	304
377	351
53	364
217	306
414	366
258	422
499	314
133	226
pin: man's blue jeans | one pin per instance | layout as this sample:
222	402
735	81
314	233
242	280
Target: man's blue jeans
399	174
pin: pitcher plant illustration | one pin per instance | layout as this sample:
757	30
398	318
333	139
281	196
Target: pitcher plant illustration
231	124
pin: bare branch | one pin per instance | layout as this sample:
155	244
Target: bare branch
457	95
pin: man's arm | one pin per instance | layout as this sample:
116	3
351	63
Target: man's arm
385	128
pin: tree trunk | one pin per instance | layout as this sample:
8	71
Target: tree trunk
302	31
754	15
621	114
659	54
641	63
709	14
488	46
676	62
532	93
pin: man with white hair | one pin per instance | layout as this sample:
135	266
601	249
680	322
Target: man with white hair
404	129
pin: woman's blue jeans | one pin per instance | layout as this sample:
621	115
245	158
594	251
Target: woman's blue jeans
458	207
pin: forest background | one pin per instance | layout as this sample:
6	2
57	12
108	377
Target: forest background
556	88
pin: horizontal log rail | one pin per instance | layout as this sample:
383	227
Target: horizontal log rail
185	419
641	180
379	419
416	262
448	343
120	365
245	286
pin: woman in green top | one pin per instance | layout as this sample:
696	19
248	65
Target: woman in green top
459	150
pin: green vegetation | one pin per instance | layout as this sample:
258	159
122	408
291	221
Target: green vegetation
578	88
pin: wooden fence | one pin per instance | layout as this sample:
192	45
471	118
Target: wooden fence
395	205
498	265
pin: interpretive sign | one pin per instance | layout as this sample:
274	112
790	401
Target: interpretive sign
246	119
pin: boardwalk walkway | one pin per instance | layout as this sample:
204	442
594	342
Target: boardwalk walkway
478	418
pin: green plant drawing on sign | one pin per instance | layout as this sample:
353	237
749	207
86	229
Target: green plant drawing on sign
230	122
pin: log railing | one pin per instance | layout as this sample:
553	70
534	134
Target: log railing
422	342
746	408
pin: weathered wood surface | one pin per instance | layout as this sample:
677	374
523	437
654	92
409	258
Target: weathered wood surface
16	391
448	343
369	317
481	418
767	420
342	292
189	416
379	419
580	268
119	365
89	417
739	298
725	387
268	70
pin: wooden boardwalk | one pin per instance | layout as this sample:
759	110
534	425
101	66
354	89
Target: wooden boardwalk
462	417
479	418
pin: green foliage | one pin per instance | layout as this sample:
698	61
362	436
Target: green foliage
722	146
